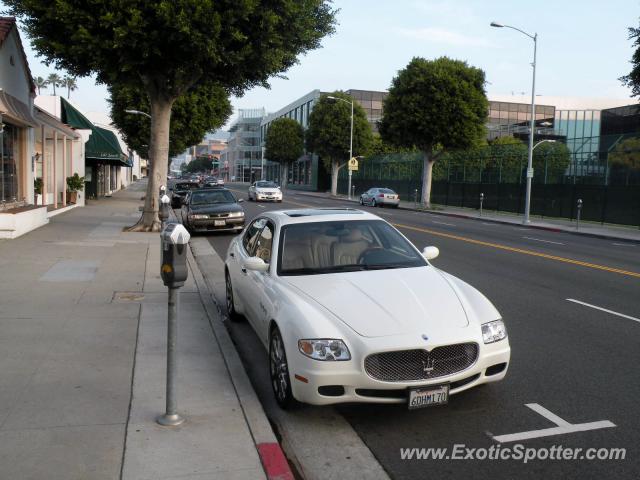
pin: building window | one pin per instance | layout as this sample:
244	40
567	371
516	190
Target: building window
8	164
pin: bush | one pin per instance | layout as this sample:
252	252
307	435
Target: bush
75	183
37	186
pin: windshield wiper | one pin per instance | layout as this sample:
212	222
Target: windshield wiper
384	266
333	269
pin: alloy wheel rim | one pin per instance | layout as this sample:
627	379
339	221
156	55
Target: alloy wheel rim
279	369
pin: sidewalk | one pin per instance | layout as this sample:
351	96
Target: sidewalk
83	358
593	229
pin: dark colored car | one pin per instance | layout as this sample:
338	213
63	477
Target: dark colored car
212	209
180	190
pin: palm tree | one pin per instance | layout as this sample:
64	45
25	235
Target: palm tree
40	83
54	80
70	83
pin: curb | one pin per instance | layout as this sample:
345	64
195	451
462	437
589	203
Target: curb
272	457
494	220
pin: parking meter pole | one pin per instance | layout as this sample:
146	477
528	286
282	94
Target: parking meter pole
163	213
349	188
171	416
415	198
174	241
353	191
481	200
579	212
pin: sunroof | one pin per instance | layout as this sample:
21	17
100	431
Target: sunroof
308	212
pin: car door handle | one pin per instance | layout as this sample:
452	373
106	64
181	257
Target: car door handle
244	270
232	254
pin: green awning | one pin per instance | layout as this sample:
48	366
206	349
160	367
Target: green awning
103	145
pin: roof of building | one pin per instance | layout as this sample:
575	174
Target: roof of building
7	24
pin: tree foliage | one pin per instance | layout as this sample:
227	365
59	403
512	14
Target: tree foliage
169	47
625	157
200	110
284	144
434	106
200	164
329	131
632	79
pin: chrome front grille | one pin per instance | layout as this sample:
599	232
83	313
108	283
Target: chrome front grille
218	215
411	365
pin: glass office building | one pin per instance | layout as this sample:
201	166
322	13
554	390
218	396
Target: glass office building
514	120
242	159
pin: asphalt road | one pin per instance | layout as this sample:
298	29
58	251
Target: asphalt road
579	362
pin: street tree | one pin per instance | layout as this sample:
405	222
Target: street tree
550	162
69	83
40	83
284	144
200	164
202	109
328	133
54	80
626	156
171	47
435	105
632	79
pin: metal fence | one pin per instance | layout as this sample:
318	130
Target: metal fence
609	186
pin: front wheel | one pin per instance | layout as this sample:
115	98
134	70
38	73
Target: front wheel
233	315
279	371
361	201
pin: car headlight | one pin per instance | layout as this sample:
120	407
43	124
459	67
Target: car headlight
494	331
198	217
236	214
324	349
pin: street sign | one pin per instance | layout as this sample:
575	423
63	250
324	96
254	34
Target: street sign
529	172
353	164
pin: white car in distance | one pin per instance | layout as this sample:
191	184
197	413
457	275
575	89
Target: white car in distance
350	311
265	190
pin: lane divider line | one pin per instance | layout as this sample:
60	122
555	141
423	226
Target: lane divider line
603	309
545	241
521	250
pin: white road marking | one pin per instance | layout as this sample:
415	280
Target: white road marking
485	223
261	206
443	223
623	244
604	310
563	427
545	241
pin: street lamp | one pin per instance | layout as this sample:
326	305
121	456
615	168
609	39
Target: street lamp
534	37
138	112
543	141
350	140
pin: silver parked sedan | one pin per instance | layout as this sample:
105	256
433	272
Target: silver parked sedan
380	197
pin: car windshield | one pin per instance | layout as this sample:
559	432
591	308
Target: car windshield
344	246
266	185
212	196
385	190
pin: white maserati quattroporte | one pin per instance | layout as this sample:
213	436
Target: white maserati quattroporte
350	311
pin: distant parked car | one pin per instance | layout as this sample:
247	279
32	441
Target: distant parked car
265	190
212	209
180	190
379	197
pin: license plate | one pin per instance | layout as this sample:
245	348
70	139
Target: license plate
219	223
428	396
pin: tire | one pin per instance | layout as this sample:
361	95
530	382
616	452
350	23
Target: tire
231	308
374	203
361	201
279	371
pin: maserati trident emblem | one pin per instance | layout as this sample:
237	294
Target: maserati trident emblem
428	365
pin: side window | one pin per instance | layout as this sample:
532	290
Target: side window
251	235
265	243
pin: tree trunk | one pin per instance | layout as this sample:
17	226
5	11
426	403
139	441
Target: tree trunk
335	169
159	160
427	169
284	175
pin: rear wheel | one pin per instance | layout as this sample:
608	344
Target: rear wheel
374	203
279	370
231	308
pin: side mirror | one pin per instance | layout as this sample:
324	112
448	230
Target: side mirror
240	200
256	264
430	252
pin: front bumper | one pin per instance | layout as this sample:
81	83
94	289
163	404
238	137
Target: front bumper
360	387
273	197
208	225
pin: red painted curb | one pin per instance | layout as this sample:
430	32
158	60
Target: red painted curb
274	462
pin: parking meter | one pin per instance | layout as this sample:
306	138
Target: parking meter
163	213
579	212
481	200
174	241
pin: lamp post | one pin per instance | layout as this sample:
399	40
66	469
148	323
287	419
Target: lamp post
534	37
350	140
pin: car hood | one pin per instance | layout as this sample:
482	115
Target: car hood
387	302
216	208
267	190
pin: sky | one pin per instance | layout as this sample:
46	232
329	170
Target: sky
583	48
